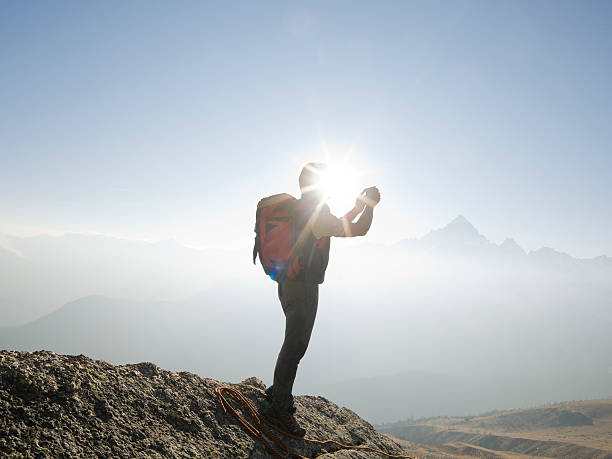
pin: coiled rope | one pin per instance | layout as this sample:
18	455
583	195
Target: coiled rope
258	430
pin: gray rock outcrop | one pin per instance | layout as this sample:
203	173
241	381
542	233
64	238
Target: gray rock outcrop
72	406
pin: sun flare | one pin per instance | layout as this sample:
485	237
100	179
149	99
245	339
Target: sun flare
340	174
340	186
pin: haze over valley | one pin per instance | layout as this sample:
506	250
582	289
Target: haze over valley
448	324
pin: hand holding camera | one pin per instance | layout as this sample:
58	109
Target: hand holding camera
369	196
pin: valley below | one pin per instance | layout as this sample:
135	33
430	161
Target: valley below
580	429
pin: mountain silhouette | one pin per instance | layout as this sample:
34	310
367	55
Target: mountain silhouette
511	248
458	233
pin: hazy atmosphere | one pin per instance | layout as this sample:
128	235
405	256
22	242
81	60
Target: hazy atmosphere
136	139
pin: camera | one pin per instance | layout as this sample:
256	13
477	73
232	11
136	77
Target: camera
372	195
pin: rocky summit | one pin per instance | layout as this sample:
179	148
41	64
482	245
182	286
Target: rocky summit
72	406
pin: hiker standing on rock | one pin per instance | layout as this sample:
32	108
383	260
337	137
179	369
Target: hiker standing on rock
293	241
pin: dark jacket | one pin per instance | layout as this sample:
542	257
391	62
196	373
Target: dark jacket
313	253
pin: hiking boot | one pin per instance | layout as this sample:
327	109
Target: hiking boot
270	398
284	421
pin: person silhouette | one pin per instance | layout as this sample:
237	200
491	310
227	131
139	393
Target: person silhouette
299	297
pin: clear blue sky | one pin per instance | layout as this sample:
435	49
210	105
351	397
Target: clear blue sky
171	119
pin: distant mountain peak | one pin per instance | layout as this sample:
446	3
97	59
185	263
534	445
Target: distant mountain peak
460	219
510	246
458	232
461	222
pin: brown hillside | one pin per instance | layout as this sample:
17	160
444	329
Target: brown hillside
580	429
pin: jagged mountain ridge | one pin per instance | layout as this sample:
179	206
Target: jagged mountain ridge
458	232
71	406
461	235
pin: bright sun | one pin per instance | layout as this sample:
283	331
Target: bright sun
339	183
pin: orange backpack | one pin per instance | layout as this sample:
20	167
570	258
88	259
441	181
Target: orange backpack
276	237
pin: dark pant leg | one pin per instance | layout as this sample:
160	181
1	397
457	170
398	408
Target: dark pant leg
299	301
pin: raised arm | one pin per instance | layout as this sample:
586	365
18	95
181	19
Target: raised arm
328	225
361	226
352	214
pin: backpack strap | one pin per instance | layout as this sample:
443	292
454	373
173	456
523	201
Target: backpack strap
255	249
256	244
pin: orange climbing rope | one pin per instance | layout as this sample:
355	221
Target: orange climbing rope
259	431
